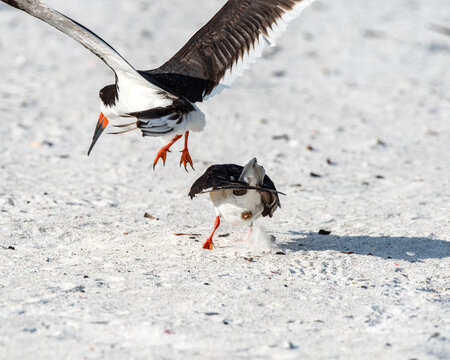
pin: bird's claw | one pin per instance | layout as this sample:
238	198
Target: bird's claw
186	159
162	154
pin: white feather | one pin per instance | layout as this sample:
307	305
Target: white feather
231	207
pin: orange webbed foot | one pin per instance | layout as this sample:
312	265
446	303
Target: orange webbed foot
162	154
208	245
186	159
185	156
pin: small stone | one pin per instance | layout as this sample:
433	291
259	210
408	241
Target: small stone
435	335
33	330
281	137
324	232
47	143
79	288
289	345
151	217
279	73
331	162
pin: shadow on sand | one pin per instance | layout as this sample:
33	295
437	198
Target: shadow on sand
413	249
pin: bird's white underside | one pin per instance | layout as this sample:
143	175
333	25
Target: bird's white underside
137	96
231	207
134	96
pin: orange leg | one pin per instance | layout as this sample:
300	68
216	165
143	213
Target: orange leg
162	154
185	157
209	243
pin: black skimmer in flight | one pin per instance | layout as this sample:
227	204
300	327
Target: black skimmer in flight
239	194
161	102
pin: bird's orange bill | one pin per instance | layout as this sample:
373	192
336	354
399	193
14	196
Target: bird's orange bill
102	123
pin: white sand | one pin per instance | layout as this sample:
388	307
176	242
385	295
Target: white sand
365	83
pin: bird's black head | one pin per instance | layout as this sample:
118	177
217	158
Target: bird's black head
109	95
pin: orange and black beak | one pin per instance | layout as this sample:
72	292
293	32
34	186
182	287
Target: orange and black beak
101	125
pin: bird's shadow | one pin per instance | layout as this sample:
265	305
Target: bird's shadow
412	249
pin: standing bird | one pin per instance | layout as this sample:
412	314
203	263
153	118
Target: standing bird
161	102
240	194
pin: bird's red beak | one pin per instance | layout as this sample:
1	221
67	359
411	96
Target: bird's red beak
102	123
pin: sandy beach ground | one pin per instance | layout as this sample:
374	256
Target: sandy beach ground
357	92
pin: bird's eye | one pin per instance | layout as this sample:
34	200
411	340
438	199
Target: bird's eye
239	192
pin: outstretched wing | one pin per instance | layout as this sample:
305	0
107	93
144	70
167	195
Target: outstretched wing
222	49
77	32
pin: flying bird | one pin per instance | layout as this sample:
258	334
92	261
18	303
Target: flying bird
162	101
239	194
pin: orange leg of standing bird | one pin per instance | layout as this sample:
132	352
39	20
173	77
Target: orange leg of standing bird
162	154
209	243
185	157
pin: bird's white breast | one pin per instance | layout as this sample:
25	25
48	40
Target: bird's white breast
237	210
135	96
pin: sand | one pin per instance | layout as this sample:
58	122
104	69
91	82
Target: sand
356	92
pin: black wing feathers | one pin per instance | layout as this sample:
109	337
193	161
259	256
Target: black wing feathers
217	176
199	66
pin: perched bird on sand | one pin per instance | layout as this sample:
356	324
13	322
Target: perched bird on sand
161	102
240	194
